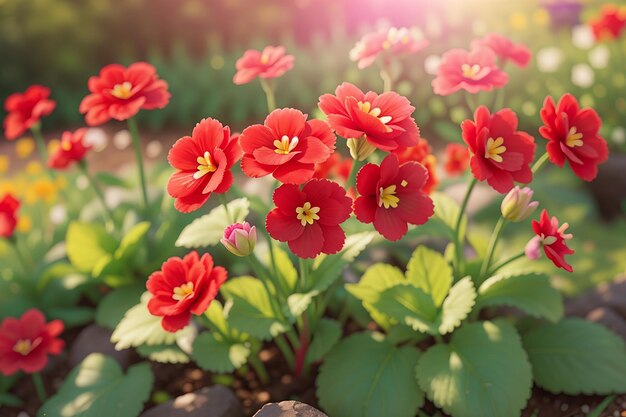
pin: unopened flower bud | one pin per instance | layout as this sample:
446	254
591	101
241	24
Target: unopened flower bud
240	238
360	148
533	248
517	204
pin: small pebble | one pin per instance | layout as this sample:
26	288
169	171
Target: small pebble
195	374
187	387
564	407
263	396
585	408
265	355
286	379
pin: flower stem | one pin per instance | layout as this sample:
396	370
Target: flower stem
134	132
354	170
20	257
285	350
470	100
499	101
303	274
39	387
225	205
259	368
506	262
458	244
42	148
108	216
540	162
269	95
495	235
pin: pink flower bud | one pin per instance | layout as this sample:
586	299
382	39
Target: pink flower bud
533	248
517	206
240	238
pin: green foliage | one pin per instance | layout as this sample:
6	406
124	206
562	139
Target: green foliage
409	305
114	305
457	306
574	356
214	353
326	335
482	372
163	353
366	376
429	271
98	383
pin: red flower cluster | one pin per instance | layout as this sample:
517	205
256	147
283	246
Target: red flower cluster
119	93
286	146
553	240
393	40
422	153
72	148
272	62
203	162
457	159
25	110
336	167
383	120
573	135
183	287
500	153
391	196
308	219
610	24
9	206
472	71
505	49
25	343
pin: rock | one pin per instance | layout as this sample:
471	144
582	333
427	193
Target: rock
216	401
97	339
289	409
610	319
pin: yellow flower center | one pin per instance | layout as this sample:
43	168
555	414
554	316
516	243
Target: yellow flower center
265	59
388	197
205	165
182	292
366	107
574	138
307	214
494	149
25	346
122	91
470	71
285	145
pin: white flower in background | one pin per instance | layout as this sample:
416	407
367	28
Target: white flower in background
582	37
433	27
58	214
82	182
549	59
431	64
599	56
618	136
122	139
97	138
154	149
582	75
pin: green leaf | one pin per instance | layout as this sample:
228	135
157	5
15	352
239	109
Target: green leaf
209	229
430	271
457	305
217	355
366	376
10	400
252	310
575	356
483	372
96	385
115	304
163	353
132	241
376	279
139	327
326	335
408	305
217	317
298	303
531	293
287	272
111	180
87	244
447	212
72	316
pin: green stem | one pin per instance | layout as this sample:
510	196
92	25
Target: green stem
438	338
458	244
540	162
259	368
20	257
303	274
495	235
266	278
269	95
354	169
502	264
285	350
134	132
41	143
39	387
470	100
108	216
499	101
387	80
225	205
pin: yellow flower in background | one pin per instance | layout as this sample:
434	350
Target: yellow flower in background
24	147
61	182
24	224
4	164
518	21
53	146
41	190
34	168
541	17
8	187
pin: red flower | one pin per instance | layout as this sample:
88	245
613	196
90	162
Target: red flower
457	159
203	161
553	240
25	110
392	196
505	49
272	62
71	149
309	219
25	343
421	153
183	287
335	167
610	23
573	135
500	153
471	71
119	93
9	206
393	40
383	120
286	146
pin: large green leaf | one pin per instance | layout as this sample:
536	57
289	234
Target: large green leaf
457	305
163	353
209	229
408	305
115	304
132	241
326	335
483	372
87	244
213	353
97	387
531	293
446	213
251	311
366	376
430	271
287	272
577	357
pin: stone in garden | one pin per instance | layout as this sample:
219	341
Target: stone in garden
610	319
216	401
289	409
97	339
